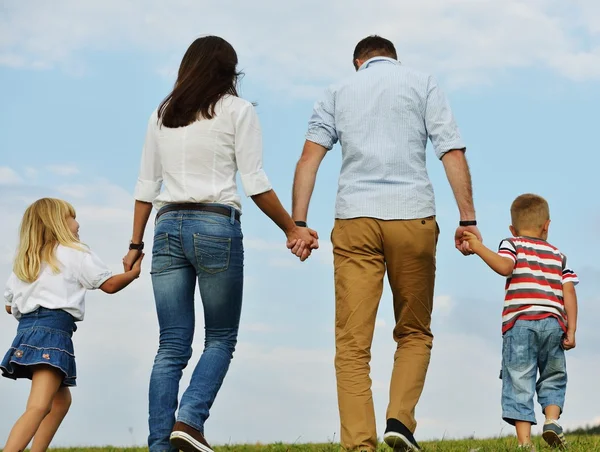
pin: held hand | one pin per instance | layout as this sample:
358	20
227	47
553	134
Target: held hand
301	241
8	309
464	243
130	258
569	341
137	265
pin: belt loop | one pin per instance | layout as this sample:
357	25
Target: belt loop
232	216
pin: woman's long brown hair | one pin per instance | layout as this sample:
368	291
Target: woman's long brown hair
208	71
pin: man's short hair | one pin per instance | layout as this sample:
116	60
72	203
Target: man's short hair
529	211
373	46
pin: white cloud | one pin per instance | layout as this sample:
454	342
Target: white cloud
63	170
466	41
8	176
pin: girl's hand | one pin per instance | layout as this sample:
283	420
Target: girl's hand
8	309
130	259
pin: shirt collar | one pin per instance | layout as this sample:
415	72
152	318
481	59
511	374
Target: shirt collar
377	59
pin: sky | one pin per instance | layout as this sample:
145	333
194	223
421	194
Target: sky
78	81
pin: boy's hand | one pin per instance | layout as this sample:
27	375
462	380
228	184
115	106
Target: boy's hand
472	240
137	265
8	309
569	340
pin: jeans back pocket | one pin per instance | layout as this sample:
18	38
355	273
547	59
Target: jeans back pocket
212	253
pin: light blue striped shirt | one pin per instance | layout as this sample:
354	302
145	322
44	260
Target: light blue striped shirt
382	115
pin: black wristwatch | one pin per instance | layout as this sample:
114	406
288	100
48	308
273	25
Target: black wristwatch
136	246
467	223
301	224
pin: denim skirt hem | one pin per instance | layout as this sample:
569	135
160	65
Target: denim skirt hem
40	344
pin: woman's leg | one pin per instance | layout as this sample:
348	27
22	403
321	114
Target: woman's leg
50	424
220	276
174	283
45	383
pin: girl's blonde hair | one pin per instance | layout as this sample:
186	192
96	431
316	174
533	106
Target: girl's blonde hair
43	228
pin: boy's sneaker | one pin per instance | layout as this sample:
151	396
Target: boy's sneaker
399	437
188	439
553	434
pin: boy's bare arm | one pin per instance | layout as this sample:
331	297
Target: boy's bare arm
501	265
570	300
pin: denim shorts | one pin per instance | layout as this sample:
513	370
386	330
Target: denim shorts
529	347
43	338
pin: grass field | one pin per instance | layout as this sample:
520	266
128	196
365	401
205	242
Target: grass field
584	443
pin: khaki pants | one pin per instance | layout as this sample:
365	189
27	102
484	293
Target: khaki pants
363	248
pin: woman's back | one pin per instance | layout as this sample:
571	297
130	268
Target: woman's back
197	163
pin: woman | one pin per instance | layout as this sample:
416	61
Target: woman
197	140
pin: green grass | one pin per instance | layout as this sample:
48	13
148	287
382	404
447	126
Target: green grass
583	443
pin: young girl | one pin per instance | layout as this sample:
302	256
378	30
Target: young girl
46	294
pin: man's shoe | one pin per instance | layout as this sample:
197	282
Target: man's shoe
188	439
399	437
553	434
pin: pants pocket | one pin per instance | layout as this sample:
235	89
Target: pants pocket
519	350
212	253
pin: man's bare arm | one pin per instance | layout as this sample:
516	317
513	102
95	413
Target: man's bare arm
459	176
305	177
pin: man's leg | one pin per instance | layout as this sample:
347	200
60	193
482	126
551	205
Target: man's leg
409	247
359	269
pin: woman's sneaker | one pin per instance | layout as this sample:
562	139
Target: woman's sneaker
399	437
188	439
553	434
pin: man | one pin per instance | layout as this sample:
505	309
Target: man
385	219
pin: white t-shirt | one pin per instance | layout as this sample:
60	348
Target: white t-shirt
198	163
79	271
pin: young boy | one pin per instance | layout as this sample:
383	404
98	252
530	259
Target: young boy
538	321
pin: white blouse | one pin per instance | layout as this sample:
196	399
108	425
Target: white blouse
198	163
79	271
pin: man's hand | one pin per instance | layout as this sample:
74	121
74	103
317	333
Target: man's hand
8	309
462	243
569	340
301	241
137	265
130	259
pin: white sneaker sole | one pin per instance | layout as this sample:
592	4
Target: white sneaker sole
186	443
398	442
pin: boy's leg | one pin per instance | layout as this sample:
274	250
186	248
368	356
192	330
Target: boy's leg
50	424
45	383
519	371
552	384
523	432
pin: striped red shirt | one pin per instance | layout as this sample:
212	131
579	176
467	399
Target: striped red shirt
535	289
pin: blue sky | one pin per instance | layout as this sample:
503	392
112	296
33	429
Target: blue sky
79	81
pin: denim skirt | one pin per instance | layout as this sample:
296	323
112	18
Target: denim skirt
43	338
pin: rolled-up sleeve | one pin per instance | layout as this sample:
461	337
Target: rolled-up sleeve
321	126
249	152
150	176
93	272
439	121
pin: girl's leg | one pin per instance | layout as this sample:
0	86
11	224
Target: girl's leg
45	384
50	424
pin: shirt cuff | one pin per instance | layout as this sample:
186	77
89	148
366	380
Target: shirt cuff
147	190
102	279
321	136
441	149
255	183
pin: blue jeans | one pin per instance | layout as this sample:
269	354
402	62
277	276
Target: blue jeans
190	246
529	346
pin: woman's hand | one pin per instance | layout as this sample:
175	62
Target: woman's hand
131	258
301	241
